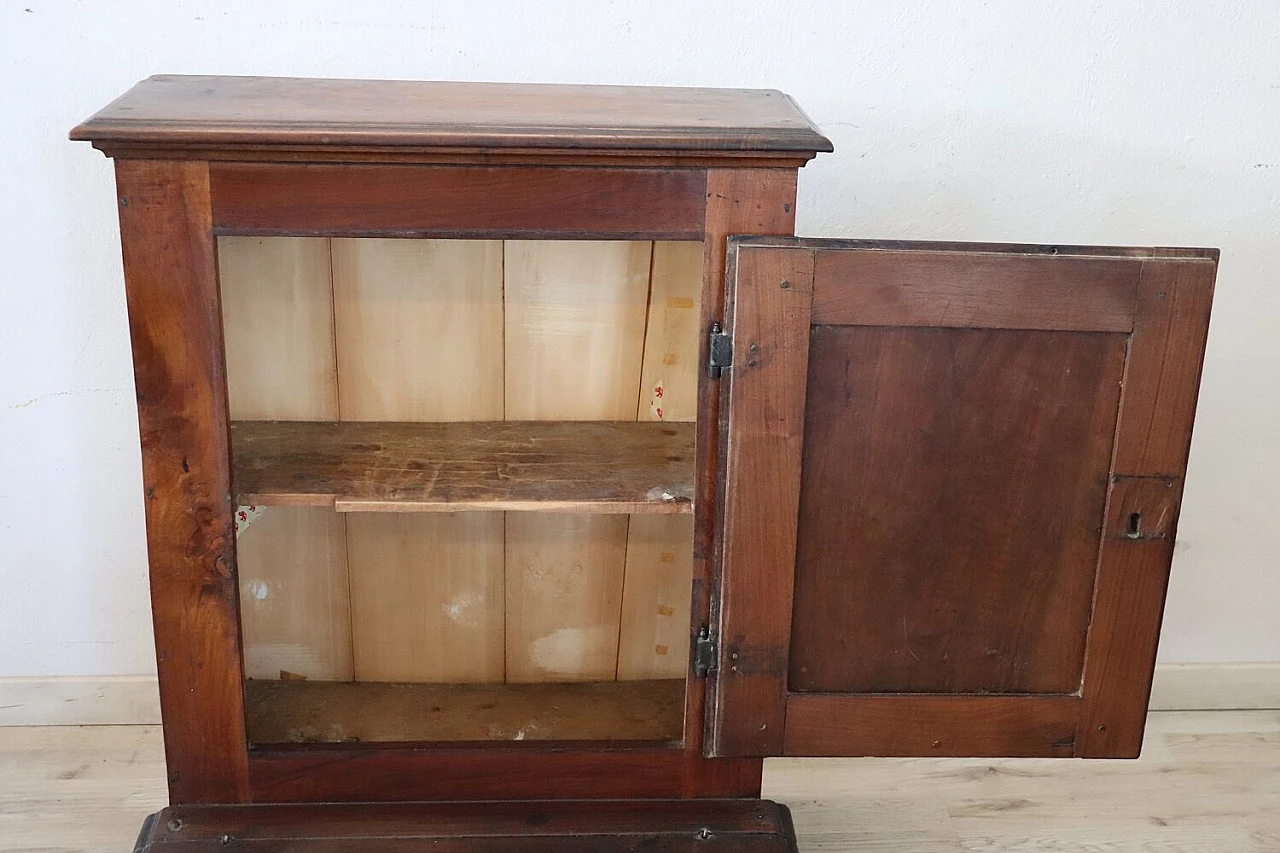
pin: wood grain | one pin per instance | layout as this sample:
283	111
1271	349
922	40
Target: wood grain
495	819
427	596
564	596
441	201
495	772
653	640
277	320
761	470
1154	437
974	289
909	726
738	201
307	712
419	338
750	826
966	469
575	338
1166	355
298	113
583	466
172	290
575	319
670	371
295	609
419	329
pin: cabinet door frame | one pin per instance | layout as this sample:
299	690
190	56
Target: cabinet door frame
775	290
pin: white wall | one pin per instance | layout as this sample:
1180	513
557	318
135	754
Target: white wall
1142	122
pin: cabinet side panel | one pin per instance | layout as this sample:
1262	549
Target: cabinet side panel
575	320
419	338
174	320
277	321
953	488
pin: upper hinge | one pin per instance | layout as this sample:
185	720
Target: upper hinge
719	352
706	651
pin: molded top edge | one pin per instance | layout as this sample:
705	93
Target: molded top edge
179	111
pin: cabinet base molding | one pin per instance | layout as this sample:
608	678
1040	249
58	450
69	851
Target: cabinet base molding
613	826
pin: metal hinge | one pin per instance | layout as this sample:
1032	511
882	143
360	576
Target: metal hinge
706	651
720	351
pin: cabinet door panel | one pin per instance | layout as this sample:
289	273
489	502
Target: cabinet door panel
960	558
933	543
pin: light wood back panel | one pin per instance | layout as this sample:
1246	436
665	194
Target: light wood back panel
277	319
653	641
575	317
415	330
277	309
575	335
419	326
427	595
293	595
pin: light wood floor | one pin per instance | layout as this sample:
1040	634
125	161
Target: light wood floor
1208	782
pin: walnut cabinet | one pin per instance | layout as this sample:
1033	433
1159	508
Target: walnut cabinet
503	450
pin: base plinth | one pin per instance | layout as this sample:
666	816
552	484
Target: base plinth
576	826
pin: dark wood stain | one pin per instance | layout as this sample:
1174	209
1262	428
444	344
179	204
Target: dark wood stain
953	488
1169	335
982	552
441	201
175	325
1154	438
967	289
937	726
494	772
243	115
761	470
280	712
750	826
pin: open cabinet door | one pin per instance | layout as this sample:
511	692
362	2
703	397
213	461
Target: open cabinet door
951	480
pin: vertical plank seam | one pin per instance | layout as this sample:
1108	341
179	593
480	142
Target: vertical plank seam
640	384
506	575
337	411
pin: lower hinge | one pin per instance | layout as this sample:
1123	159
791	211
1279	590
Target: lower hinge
706	651
719	351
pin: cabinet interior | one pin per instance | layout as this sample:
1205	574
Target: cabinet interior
464	475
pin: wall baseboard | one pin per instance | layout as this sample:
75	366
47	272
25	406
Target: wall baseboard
71	701
1216	686
134	700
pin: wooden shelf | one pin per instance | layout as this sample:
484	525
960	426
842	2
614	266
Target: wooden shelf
548	466
284	712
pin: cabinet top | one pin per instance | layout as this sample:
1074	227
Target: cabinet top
300	119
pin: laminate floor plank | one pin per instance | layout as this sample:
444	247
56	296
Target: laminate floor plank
1208	782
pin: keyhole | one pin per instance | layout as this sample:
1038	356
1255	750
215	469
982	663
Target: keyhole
1135	519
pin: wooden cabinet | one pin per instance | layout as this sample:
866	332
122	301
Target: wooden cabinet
501	444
